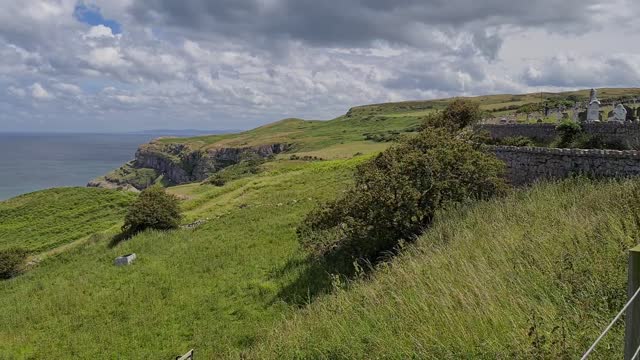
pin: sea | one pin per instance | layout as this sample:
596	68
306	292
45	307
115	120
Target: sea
31	162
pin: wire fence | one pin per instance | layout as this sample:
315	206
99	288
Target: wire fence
611	324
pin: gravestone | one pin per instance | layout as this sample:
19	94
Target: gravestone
619	113
593	110
125	260
631	116
576	115
582	116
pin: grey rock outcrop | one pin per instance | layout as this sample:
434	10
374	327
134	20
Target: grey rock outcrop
177	163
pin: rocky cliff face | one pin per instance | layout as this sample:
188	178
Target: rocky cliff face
178	163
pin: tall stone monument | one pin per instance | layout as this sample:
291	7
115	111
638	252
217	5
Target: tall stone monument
593	110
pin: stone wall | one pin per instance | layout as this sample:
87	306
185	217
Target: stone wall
541	132
525	165
628	133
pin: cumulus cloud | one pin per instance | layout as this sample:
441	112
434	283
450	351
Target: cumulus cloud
236	64
39	92
12	90
583	71
99	31
354	23
68	88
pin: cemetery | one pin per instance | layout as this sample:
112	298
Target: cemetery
592	110
525	165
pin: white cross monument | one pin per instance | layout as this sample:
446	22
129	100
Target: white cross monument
593	111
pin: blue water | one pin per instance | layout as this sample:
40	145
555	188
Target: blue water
30	162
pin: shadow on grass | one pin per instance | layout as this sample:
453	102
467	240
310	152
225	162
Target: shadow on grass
118	238
318	276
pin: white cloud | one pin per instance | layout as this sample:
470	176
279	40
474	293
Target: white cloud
571	70
99	31
68	88
208	67
16	91
106	57
39	92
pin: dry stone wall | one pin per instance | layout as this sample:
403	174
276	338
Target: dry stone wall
525	165
628	132
541	132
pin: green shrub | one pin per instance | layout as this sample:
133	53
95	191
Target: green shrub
396	195
248	165
154	209
386	136
586	141
571	135
568	132
216	180
11	262
517	141
457	115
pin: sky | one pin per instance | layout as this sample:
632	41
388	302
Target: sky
124	65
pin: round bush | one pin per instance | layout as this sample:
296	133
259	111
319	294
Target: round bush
396	195
11	262
153	209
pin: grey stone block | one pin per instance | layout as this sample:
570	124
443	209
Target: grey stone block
125	260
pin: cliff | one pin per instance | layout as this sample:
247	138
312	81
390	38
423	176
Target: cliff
178	163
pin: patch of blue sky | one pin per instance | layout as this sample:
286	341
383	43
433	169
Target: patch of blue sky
91	15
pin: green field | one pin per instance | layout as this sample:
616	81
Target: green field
216	288
307	136
47	219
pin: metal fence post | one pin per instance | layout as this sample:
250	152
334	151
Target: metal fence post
632	319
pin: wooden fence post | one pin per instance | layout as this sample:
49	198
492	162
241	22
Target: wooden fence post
187	356
632	319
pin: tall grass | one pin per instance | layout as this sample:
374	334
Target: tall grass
536	275
46	219
214	288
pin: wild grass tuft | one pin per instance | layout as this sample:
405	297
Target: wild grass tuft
536	275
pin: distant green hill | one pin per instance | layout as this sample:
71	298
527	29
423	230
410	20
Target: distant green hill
362	130
360	124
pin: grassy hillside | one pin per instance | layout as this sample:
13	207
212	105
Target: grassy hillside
536	275
46	219
305	136
215	288
489	281
334	138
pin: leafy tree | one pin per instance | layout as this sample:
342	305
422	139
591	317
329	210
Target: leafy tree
397	194
456	116
11	262
154	209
